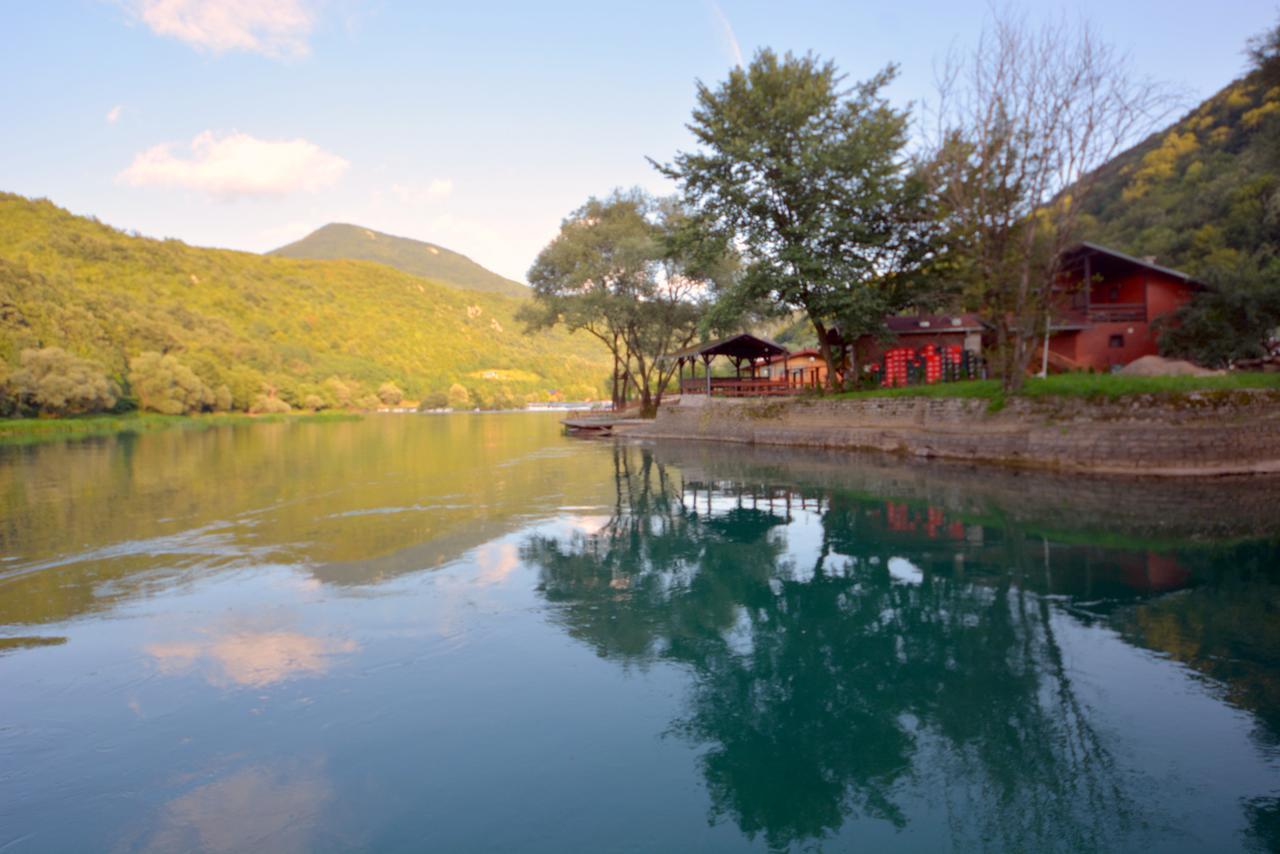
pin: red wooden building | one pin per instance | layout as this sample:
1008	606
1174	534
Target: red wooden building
1109	302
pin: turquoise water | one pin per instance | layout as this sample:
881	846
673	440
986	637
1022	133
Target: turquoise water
470	633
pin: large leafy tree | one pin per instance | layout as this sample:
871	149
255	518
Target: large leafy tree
808	179
623	270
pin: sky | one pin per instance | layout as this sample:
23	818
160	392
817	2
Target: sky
479	126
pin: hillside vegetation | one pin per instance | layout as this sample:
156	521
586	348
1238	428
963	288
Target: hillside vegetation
1204	194
353	242
250	327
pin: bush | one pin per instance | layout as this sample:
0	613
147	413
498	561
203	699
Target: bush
165	385
368	402
434	400
51	381
222	399
314	402
266	404
390	394
459	397
340	392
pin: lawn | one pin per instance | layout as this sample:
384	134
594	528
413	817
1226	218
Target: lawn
1104	386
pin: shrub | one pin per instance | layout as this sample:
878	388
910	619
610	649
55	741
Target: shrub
339	392
459	397
434	400
266	404
314	402
165	385
222	399
390	394
368	402
51	381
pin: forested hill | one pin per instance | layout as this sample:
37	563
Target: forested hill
1204	194
247	321
339	240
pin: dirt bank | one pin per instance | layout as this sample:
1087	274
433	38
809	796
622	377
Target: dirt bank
1194	434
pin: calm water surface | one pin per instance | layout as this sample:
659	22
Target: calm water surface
469	633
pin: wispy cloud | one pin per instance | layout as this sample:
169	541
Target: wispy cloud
236	165
275	28
113	114
726	31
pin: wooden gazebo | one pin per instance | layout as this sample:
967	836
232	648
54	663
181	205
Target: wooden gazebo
743	350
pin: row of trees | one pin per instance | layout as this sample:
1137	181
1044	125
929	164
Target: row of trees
807	196
51	381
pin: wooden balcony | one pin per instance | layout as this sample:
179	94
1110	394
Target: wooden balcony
1117	312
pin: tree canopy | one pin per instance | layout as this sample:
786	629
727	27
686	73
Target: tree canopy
808	179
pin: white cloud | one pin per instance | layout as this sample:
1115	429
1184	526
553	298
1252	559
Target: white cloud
276	28
417	194
113	115
237	165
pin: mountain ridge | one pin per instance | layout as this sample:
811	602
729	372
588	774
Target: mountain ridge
343	240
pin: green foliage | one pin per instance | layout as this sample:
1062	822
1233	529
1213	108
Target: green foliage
1204	194
458	397
434	400
254	323
266	404
51	381
336	241
624	270
163	384
1231	320
810	178
390	394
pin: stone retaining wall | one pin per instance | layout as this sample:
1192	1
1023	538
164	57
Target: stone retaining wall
1203	433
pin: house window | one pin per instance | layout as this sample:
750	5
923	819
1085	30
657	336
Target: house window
1115	293
1117	342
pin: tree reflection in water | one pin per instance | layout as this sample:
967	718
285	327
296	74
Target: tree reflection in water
824	692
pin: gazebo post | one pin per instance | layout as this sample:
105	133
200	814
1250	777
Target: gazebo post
706	366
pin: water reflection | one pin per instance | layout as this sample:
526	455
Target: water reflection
249	657
260	807
845	647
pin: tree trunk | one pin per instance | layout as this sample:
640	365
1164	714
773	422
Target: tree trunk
824	347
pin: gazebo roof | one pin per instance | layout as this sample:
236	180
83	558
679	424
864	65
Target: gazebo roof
741	346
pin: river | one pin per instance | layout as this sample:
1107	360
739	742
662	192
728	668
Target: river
471	633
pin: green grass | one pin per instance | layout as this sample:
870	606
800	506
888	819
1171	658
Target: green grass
1095	386
24	431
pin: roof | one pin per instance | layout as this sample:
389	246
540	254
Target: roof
934	324
1144	263
797	354
741	346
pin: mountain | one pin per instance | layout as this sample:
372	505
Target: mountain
245	320
339	240
1202	195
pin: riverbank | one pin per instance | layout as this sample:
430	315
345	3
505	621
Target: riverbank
21	431
1208	432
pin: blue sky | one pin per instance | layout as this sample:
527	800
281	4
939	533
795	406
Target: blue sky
479	125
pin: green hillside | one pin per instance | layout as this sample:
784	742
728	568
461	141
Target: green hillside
1204	194
338	240
248	321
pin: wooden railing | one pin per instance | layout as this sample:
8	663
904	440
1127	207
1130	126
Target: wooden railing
1117	312
734	387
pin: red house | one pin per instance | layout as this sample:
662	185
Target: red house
1109	303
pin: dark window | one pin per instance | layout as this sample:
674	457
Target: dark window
1117	341
1115	293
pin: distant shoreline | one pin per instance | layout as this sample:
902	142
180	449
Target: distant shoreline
23	431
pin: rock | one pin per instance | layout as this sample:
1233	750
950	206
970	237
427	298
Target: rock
1158	366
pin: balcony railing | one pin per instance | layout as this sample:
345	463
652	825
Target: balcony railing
745	387
1117	312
